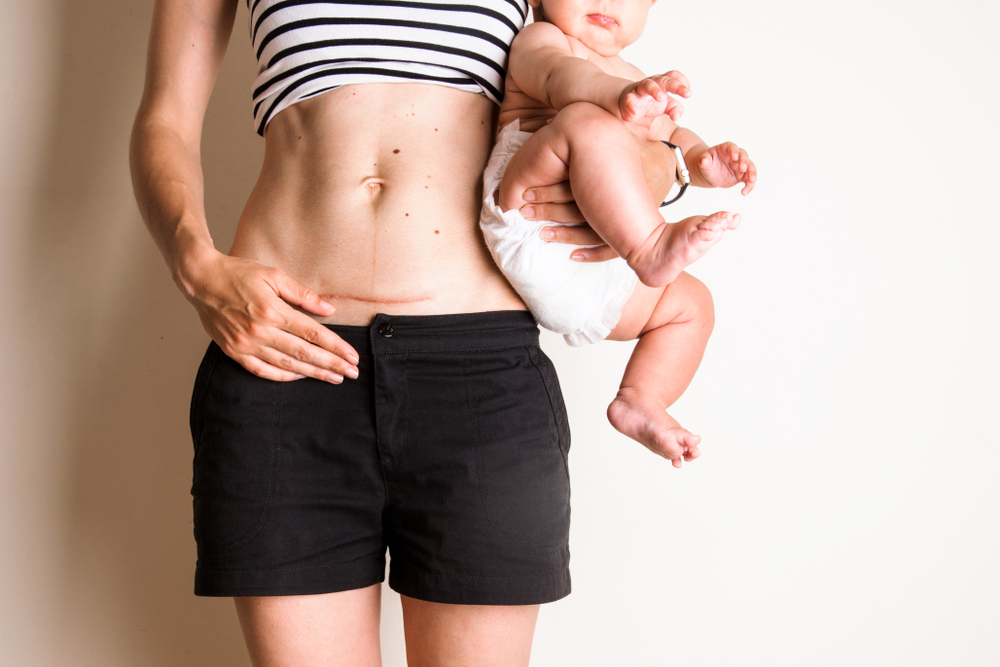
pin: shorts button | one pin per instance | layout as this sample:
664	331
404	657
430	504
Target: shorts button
385	330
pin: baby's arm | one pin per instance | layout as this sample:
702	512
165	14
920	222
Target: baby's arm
721	166
543	66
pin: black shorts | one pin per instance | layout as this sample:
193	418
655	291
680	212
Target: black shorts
449	450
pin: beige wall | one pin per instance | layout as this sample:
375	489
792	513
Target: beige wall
98	354
846	509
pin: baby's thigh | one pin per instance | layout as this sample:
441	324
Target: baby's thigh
637	313
686	299
537	163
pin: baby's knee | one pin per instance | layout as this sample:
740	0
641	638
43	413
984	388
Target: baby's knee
694	299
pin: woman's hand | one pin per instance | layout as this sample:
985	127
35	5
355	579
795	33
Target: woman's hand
556	203
247	308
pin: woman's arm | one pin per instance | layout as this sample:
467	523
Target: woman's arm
244	306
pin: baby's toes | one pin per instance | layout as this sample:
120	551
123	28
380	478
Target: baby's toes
705	235
712	223
723	220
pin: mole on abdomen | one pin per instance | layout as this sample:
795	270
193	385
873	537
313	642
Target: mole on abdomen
396	151
437	231
407	215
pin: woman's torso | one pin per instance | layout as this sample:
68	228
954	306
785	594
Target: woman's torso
370	194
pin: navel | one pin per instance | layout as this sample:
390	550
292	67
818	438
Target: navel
373	186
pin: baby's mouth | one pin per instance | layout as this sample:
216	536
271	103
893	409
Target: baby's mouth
601	19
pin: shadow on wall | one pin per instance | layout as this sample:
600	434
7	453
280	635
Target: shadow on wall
120	346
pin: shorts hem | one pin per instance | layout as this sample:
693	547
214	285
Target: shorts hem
480	590
353	575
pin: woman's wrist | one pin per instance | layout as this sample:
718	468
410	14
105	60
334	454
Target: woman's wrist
190	261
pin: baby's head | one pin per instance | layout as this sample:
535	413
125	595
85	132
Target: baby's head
604	26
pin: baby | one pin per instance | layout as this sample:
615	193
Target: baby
573	110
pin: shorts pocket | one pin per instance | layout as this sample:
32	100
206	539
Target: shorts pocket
201	382
520	452
547	372
236	456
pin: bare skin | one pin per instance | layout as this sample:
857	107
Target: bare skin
591	113
342	629
367	202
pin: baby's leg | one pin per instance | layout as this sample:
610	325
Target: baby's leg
601	159
673	325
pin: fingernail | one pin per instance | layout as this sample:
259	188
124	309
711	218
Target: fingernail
548	233
528	212
352	373
327	305
529	195
299	377
352	359
578	256
336	379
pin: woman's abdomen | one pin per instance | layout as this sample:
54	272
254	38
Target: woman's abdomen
370	195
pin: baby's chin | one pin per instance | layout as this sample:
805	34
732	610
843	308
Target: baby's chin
606	50
599	47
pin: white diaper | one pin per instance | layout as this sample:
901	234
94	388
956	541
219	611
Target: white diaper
582	301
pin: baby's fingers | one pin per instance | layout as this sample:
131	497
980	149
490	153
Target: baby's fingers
651	88
747	171
682	82
674	85
674	110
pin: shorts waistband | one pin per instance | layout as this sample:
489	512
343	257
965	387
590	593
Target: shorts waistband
398	334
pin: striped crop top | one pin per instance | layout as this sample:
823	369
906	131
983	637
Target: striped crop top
307	47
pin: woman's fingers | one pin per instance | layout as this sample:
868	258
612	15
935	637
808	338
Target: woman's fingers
308	341
601	253
291	354
248	310
564	213
579	235
287	345
298	294
265	370
595	249
559	193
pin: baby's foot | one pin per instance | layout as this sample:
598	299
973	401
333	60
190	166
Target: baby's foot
646	422
672	247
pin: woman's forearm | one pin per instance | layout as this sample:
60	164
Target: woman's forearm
187	43
169	188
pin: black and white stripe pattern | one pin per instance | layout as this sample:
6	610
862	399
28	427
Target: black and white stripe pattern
307	47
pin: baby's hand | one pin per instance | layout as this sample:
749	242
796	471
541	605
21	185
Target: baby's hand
648	98
726	165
